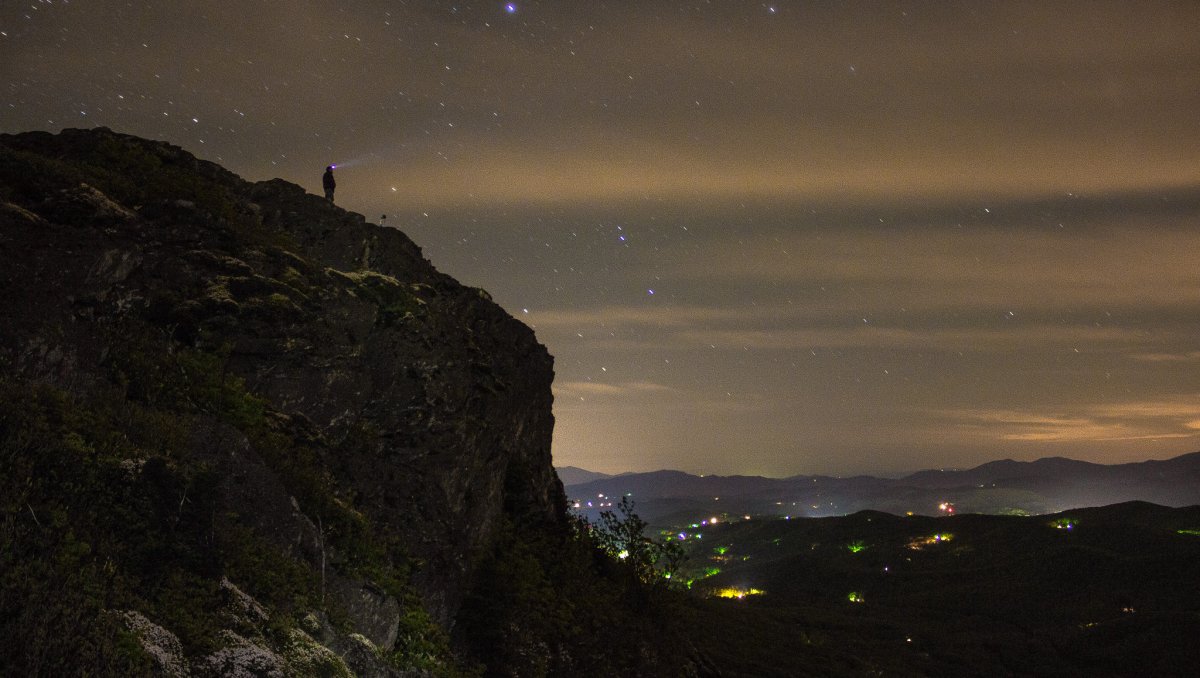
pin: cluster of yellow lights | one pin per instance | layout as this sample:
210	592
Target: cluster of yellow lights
737	593
921	542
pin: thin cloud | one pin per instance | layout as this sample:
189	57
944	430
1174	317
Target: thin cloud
788	327
609	317
1188	357
1139	420
595	388
933	267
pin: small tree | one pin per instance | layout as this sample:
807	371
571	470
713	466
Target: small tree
623	535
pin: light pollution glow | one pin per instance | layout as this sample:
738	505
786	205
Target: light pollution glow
880	236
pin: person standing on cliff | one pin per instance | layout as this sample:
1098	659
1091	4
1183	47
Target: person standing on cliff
328	182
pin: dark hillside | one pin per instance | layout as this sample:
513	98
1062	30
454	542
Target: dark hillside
1102	591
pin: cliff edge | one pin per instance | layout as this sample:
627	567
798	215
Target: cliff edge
229	403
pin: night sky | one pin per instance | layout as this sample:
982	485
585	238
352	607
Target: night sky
764	238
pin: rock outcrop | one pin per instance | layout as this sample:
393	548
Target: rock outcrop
343	403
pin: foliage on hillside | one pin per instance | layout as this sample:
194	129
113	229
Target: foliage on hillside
591	602
105	511
109	507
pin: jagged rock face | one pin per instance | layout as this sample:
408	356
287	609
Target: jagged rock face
428	404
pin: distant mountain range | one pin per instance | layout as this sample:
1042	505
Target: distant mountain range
573	475
1001	487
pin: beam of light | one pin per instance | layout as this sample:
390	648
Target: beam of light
352	162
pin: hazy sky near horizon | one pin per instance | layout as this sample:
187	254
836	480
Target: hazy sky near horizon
771	238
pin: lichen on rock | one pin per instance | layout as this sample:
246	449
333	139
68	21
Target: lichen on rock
161	645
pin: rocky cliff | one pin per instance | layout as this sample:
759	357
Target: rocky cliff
234	403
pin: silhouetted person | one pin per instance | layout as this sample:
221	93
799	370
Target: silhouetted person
328	182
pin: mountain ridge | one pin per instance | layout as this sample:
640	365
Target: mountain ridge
1041	486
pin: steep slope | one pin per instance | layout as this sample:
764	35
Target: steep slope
205	379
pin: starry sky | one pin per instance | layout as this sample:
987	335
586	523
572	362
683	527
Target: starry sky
764	238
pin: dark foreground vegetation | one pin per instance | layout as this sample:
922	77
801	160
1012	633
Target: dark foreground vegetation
104	518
